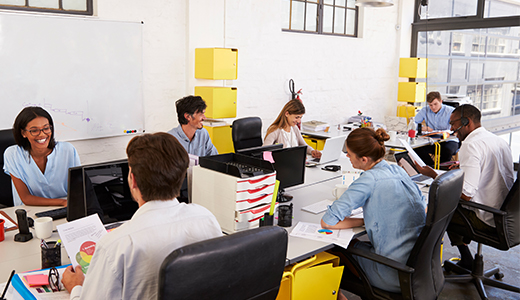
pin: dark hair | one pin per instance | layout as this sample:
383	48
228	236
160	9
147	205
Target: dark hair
432	96
470	112
159	164
23	118
293	107
190	105
367	142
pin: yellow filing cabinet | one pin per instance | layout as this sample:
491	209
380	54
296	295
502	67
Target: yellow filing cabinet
221	101
413	67
216	63
221	138
406	111
318	277
411	92
315	143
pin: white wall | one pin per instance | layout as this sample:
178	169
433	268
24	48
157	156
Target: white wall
338	75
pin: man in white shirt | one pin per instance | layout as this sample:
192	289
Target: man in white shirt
126	261
487	163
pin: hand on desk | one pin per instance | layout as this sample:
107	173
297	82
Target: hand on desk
72	277
316	154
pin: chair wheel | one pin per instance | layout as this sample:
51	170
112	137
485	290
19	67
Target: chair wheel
499	275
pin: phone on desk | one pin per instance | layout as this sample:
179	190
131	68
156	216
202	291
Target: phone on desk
448	165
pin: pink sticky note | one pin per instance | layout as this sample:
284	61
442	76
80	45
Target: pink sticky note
37	280
268	155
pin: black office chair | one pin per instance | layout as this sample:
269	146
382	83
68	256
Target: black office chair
243	265
6	196
507	222
422	275
246	133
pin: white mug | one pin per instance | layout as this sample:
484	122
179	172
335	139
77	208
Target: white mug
393	135
339	190
43	227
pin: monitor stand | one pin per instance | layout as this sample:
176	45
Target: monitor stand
283	196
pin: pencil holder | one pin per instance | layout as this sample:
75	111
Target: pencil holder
267	220
51	256
285	215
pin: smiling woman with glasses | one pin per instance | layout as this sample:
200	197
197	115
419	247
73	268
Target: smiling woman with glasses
37	164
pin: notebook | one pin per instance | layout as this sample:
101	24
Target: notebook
331	151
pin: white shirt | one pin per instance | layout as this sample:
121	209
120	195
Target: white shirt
288	140
126	261
488	170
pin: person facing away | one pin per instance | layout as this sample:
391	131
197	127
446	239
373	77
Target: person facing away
37	164
437	118
284	129
393	207
487	163
190	132
126	262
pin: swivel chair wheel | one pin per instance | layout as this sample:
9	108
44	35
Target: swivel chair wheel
499	275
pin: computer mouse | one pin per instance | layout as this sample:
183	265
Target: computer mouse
30	221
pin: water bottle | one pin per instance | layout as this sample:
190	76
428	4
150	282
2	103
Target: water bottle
411	128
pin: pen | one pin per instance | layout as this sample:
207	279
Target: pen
7	285
43	244
58	243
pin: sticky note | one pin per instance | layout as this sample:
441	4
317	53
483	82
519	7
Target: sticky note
37	279
268	155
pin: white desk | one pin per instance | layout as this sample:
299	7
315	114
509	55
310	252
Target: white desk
315	174
333	131
25	256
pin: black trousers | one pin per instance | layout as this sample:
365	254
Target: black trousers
448	149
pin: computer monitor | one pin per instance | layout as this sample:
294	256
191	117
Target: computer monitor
102	189
258	151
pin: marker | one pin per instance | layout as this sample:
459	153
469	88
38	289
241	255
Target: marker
275	195
58	244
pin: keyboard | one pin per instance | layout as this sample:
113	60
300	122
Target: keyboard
55	214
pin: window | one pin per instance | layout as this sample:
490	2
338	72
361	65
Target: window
337	17
77	7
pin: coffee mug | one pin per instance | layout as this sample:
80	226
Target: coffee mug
339	190
43	227
393	135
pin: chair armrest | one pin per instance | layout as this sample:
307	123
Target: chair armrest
381	259
483	207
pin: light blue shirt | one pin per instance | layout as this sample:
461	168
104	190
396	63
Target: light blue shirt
53	184
200	145
436	121
394	213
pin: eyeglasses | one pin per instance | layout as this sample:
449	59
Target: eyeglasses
453	122
54	279
36	132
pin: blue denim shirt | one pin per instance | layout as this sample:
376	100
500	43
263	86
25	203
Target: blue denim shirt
437	121
394	212
200	145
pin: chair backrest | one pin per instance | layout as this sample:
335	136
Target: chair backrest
243	265
6	196
443	198
247	133
511	221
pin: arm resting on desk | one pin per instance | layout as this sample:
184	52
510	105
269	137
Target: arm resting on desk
346	223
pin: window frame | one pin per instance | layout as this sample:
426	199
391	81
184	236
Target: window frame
88	12
320	19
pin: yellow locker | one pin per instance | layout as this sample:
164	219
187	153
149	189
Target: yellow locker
315	143
221	101
216	63
413	67
406	111
221	138
411	92
318	277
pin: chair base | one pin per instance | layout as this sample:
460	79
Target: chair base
478	276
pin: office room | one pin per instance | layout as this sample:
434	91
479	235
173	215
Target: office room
339	75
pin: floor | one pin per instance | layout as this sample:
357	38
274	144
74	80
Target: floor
507	261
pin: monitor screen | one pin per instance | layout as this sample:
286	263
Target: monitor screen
258	151
102	189
289	164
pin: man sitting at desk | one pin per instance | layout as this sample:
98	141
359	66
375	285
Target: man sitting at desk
127	260
488	174
437	118
190	132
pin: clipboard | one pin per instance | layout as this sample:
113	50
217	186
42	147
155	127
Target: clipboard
5	216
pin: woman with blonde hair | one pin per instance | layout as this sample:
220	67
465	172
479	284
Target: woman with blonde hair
393	207
284	129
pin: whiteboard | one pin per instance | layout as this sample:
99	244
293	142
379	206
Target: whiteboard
86	73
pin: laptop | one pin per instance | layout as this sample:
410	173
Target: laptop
331	151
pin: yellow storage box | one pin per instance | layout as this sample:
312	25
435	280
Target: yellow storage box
315	143
411	92
221	138
413	67
216	63
221	101
406	111
318	277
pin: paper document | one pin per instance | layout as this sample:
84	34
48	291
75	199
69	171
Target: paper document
8	225
318	207
80	237
412	153
340	237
